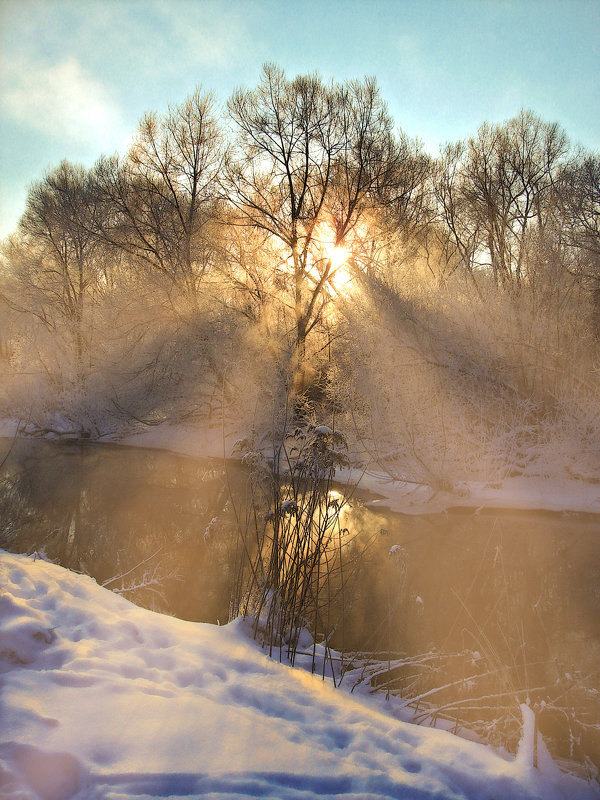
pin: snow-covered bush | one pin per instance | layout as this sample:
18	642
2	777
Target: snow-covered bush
461	382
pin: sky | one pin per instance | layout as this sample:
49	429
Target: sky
76	77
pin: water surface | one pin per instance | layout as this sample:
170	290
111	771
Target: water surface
497	604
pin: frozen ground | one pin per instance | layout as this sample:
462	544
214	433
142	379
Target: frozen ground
102	699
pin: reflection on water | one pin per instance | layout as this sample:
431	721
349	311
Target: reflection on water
494	602
494	606
160	521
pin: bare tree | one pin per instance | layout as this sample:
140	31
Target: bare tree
280	174
311	159
493	190
577	225
463	230
580	206
160	198
53	262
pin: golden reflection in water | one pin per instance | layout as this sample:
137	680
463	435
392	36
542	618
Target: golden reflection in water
513	595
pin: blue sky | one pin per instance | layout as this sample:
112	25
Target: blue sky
76	76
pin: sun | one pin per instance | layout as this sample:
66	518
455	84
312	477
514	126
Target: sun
331	262
339	276
337	255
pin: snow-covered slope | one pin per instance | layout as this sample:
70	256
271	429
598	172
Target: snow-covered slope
102	699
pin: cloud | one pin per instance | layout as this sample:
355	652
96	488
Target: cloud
208	34
63	102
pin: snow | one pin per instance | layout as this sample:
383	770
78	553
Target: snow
102	700
200	441
526	492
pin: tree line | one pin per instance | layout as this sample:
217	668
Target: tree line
256	217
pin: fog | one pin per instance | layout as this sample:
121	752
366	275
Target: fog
298	252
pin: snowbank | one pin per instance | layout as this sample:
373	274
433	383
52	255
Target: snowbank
526	492
523	493
104	700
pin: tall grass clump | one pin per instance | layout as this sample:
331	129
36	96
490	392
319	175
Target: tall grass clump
290	569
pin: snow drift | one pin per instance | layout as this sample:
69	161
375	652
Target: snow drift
104	700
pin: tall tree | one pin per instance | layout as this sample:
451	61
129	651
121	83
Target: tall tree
54	262
579	222
160	197
496	188
310	160
580	199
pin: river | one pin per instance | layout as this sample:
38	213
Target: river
497	606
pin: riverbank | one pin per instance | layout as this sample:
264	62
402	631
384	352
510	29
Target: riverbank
103	700
550	492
